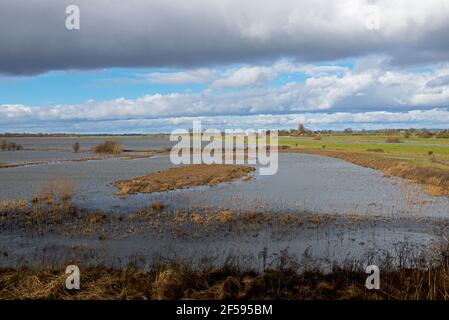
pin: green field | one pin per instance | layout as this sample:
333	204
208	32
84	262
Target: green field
369	138
430	151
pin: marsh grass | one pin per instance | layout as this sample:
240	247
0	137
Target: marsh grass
183	177
406	274
393	139
10	146
64	218
435	179
35	217
50	210
55	190
109	147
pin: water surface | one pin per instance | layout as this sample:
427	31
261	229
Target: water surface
304	182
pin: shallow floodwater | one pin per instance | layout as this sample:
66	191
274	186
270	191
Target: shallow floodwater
309	246
303	182
27	157
54	150
65	144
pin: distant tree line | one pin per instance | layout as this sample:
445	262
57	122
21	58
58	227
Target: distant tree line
75	135
37	135
301	130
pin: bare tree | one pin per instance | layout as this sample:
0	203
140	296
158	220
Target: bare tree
301	129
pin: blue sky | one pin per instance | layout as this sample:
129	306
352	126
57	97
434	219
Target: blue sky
77	86
72	87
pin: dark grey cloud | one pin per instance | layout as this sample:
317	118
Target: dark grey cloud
177	33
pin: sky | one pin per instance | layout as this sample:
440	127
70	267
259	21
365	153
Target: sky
147	66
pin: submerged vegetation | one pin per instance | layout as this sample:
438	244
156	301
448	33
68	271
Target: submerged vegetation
405	273
10	146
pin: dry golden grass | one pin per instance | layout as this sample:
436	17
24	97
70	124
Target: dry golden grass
43	216
183	177
62	217
55	190
224	216
177	281
393	139
109	147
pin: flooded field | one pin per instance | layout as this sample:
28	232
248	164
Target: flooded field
309	182
384	212
65	144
